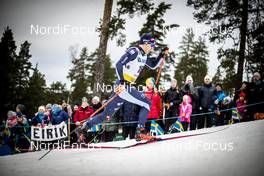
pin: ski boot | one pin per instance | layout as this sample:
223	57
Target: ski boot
141	134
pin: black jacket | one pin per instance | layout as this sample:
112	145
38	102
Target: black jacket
129	113
173	96
206	93
256	95
97	106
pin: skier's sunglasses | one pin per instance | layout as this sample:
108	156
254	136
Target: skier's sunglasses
152	44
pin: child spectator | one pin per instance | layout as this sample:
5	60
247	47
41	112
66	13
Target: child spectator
218	98
221	103
241	103
156	106
21	133
190	90
11	119
185	112
48	112
242	89
8	139
40	117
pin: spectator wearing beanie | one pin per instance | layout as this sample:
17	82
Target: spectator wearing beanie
205	93
21	109
156	106
221	104
96	104
190	90
172	100
21	133
48	112
240	104
9	139
40	117
11	119
58	115
83	112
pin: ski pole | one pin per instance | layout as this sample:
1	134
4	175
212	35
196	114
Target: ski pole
102	107
93	114
159	72
161	66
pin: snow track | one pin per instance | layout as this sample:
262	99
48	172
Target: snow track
236	150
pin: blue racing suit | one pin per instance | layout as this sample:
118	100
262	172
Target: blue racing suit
128	69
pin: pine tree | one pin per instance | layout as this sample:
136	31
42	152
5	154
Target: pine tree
255	57
168	70
200	60
226	70
192	59
126	9
78	77
36	95
57	93
227	18
23	67
7	71
82	75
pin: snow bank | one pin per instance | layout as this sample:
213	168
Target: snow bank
235	150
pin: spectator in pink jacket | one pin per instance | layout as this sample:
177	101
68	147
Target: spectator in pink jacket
185	111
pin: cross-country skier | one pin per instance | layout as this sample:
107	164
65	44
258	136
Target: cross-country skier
128	69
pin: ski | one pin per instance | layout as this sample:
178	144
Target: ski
125	144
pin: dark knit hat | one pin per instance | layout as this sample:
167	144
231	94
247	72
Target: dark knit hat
21	107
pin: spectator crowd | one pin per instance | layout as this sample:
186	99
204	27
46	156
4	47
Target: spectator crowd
195	107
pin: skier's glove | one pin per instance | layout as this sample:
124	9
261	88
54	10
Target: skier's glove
77	123
119	89
164	52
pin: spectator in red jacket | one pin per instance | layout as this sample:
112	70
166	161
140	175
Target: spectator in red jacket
156	106
83	112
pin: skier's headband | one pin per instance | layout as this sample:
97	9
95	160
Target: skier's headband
152	43
147	39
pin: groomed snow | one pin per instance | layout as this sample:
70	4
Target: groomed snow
235	150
